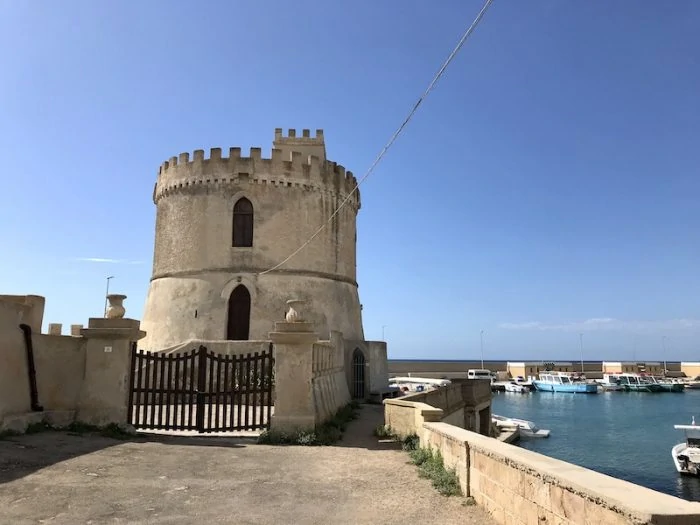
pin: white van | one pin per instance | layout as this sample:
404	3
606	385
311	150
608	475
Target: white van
479	373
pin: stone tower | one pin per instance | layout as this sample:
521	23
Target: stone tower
223	221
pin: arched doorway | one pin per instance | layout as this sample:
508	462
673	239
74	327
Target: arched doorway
358	374
239	314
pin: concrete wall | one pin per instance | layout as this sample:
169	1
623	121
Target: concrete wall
521	487
690	369
465	405
195	267
60	369
330	390
14	384
219	346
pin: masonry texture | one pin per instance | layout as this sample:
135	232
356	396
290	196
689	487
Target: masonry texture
196	267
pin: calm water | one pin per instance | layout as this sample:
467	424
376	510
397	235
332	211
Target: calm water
623	434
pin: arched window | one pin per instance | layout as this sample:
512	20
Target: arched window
243	223
238	314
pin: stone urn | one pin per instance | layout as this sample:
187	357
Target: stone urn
294	314
115	310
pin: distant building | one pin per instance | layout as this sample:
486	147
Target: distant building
690	368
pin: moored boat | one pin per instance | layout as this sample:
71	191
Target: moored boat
686	455
512	386
668	385
561	382
527	428
636	382
417	384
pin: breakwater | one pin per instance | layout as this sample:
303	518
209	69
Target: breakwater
451	369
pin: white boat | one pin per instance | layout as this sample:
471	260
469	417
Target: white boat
527	428
686	455
417	384
693	384
517	388
610	383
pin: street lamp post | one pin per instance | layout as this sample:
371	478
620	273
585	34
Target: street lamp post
663	347
580	336
481	337
383	327
107	293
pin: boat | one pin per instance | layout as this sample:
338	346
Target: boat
693	384
668	385
631	382
417	384
527	428
561	382
512	386
686	455
606	386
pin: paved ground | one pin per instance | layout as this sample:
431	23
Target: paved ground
58	478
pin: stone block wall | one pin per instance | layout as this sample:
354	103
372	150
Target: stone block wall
463	404
80	376
521	487
330	389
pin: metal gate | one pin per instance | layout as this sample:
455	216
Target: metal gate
201	390
358	374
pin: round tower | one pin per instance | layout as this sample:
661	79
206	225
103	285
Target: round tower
223	221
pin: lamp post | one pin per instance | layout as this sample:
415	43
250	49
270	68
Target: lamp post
663	347
107	293
481	337
580	337
383	327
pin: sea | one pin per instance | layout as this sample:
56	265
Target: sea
627	435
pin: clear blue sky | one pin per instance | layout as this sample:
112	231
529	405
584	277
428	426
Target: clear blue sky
548	186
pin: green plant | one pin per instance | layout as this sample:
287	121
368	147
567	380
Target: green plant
410	442
431	466
383	431
326	434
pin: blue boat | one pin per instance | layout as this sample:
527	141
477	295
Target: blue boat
561	382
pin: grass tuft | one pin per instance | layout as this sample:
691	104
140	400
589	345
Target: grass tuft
326	434
431	466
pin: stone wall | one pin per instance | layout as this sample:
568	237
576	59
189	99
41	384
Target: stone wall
83	376
219	347
522	487
465	405
14	385
60	369
330	390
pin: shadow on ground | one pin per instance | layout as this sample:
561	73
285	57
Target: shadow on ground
25	454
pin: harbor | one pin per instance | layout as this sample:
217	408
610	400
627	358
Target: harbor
627	429
629	436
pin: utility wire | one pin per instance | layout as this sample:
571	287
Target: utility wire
396	134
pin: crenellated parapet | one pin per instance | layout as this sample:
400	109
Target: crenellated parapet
283	168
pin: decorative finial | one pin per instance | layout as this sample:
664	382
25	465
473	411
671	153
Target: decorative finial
115	310
294	314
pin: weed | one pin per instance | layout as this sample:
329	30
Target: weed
431	466
383	431
326	434
410	443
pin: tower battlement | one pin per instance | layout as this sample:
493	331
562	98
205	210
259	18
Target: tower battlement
285	167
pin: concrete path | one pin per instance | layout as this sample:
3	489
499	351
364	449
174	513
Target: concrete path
59	478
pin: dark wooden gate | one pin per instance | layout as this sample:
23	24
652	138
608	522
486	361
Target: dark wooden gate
358	374
201	390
